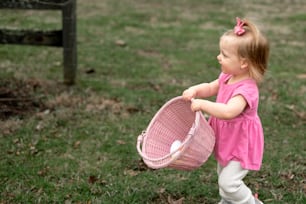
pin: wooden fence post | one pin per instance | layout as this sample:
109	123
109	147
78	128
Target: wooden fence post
65	38
69	41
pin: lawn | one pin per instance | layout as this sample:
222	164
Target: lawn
76	144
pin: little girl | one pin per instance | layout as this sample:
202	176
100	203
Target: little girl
243	57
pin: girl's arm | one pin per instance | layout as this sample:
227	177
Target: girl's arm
203	90
232	109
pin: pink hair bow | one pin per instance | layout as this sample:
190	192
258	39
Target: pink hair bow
239	30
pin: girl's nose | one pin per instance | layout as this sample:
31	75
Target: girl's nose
219	58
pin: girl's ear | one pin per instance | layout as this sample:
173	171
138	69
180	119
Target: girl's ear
244	63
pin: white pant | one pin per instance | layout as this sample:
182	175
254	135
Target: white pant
231	186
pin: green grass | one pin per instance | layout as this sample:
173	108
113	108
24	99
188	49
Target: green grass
82	149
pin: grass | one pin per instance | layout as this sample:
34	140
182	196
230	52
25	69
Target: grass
81	147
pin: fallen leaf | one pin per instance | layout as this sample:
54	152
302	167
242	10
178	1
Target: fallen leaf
121	142
39	126
120	43
43	171
301	76
131	172
162	190
90	71
171	201
92	179
76	144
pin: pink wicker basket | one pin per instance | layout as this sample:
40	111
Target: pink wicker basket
175	121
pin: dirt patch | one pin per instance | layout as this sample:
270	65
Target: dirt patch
18	98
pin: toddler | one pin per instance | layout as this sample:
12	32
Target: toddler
243	58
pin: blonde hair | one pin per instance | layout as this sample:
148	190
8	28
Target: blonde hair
253	46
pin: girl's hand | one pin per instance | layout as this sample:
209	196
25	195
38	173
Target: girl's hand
196	104
189	94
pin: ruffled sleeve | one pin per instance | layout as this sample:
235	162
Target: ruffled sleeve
250	93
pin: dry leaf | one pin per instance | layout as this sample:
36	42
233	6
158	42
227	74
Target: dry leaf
121	142
131	172
76	144
301	76
43	171
39	126
92	179
162	190
179	201
120	43
90	71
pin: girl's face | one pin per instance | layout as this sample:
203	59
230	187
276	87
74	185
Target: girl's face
228	58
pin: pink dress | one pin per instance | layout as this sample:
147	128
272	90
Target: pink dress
239	139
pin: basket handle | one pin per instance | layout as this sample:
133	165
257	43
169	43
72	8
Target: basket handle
139	143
